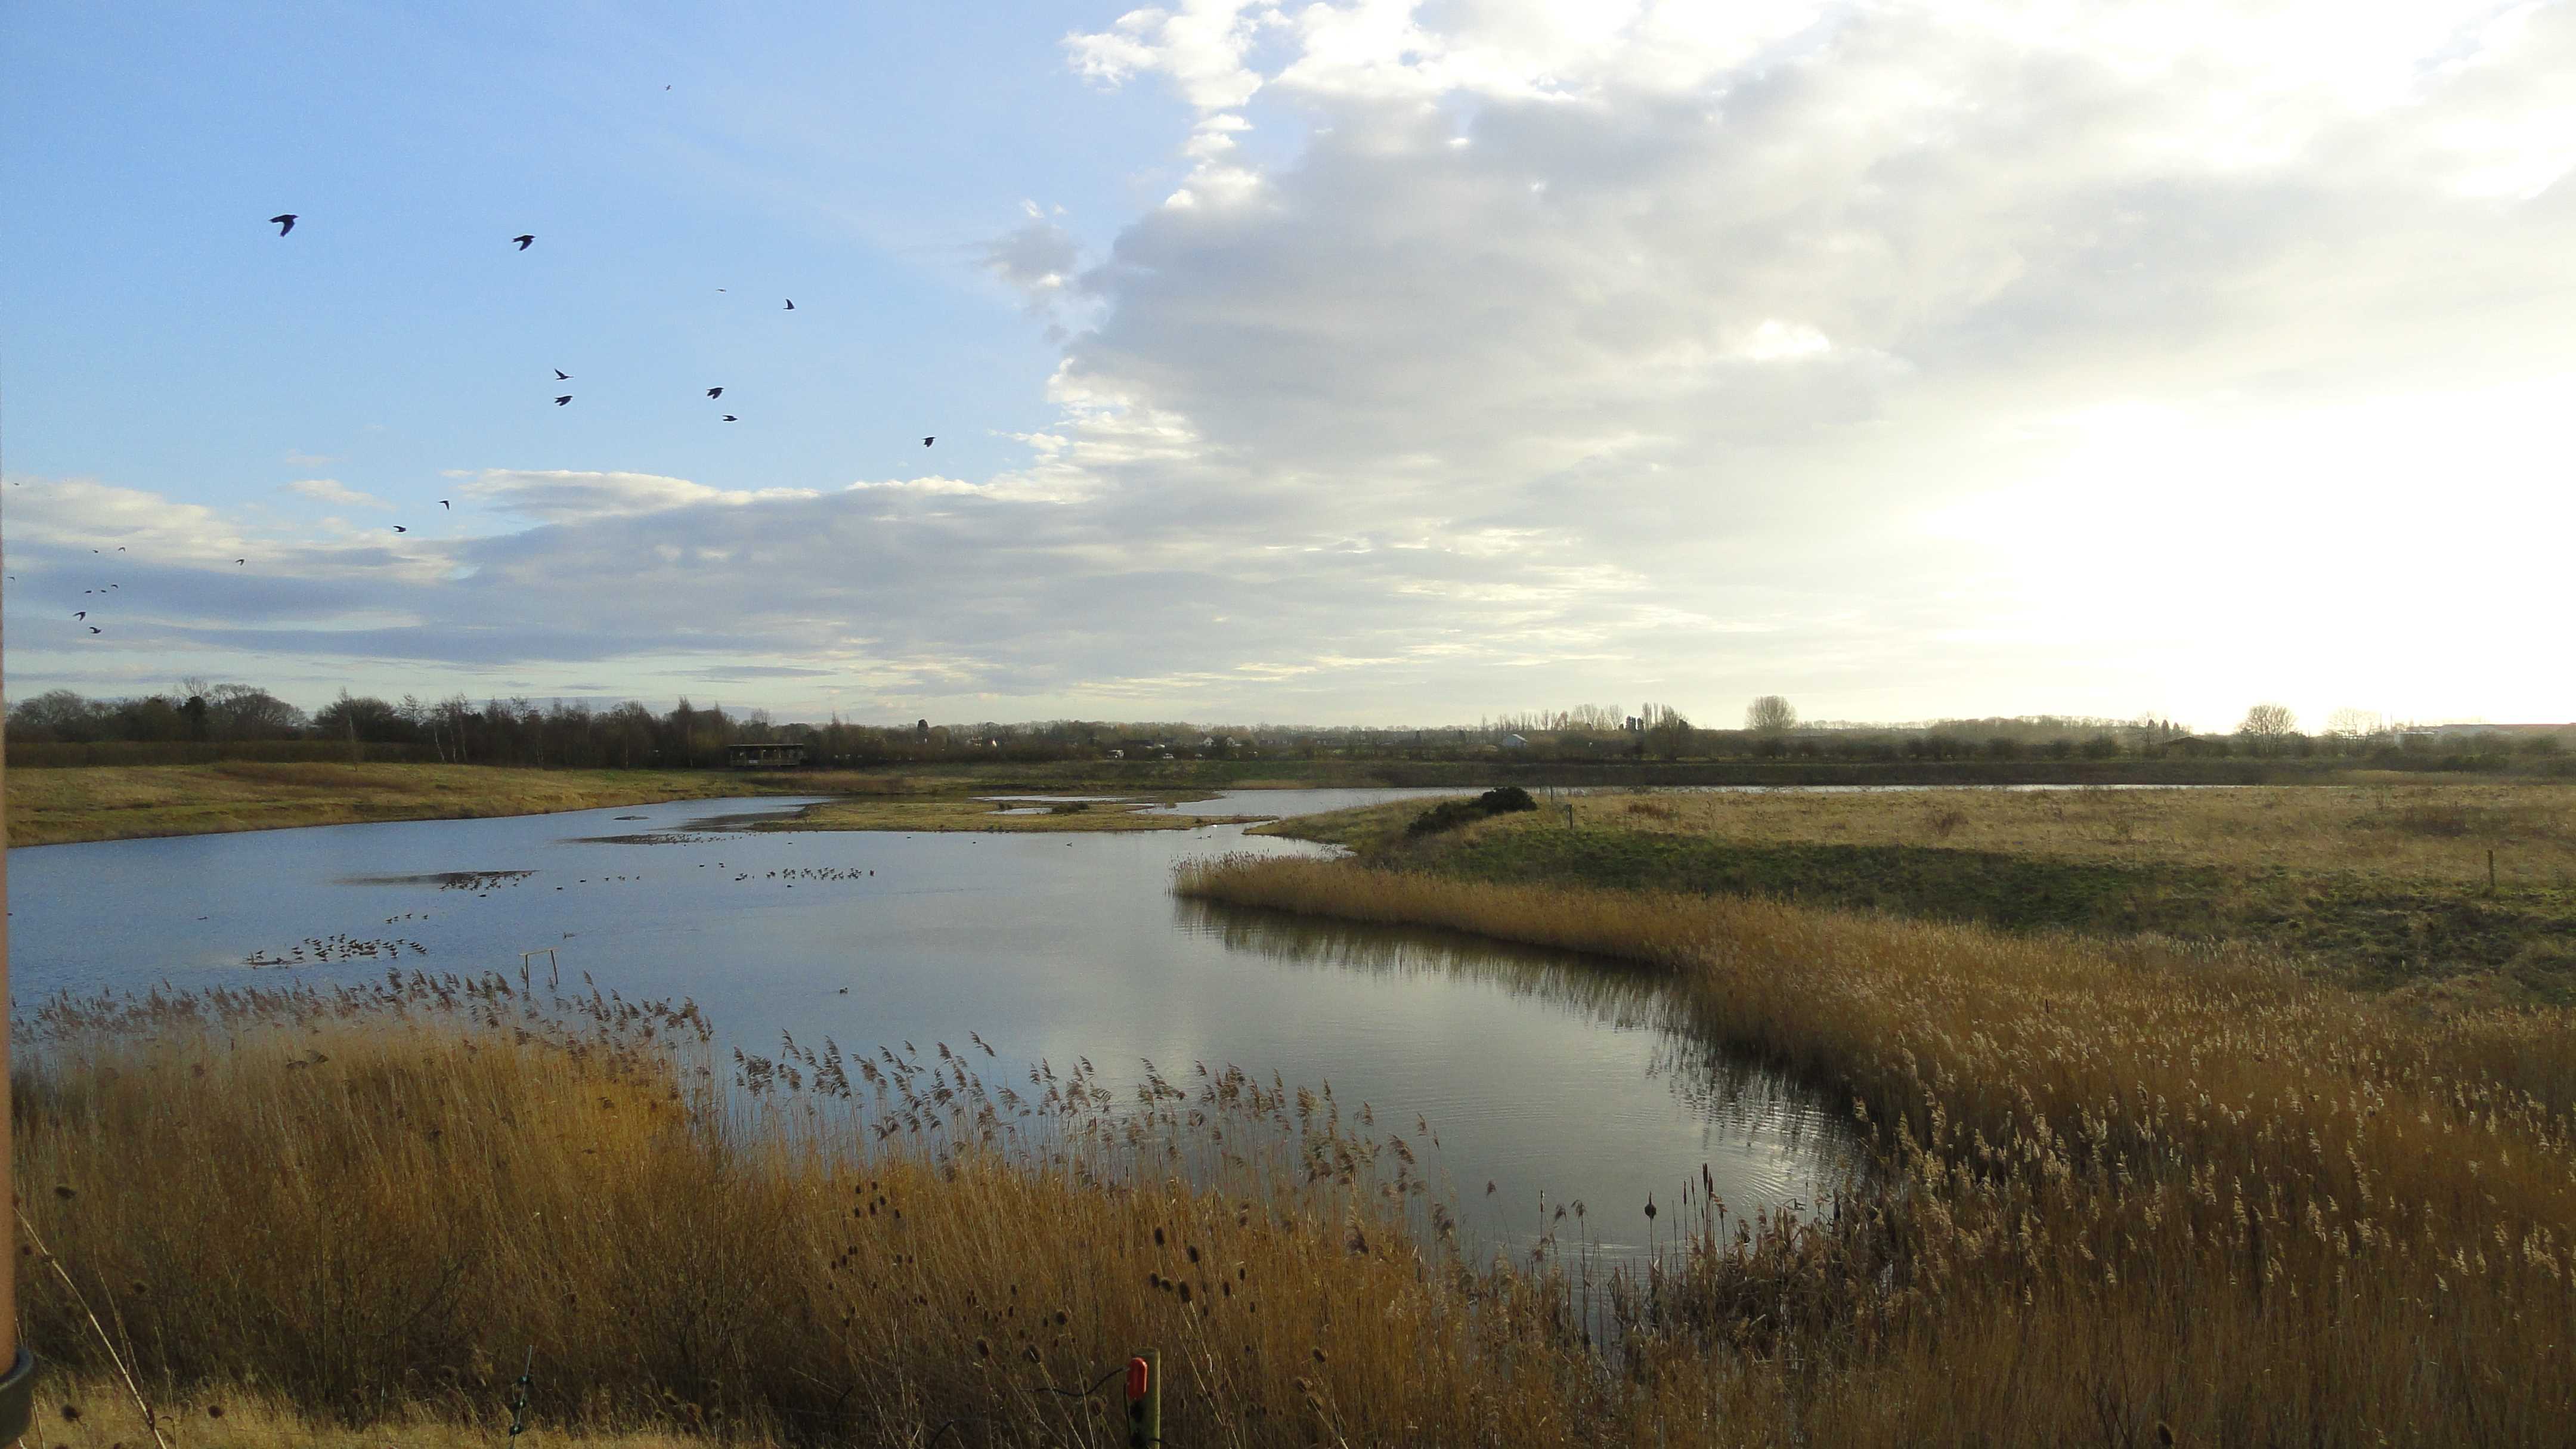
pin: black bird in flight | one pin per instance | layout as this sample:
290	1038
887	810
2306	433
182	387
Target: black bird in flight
83	614
791	304
731	418
715	392
398	528
562	376
93	628
567	397
926	442
442	503
524	239
285	222
241	560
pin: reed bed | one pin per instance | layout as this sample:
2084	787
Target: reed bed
2132	1193
369	1207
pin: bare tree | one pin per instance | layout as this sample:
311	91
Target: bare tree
2353	723
2267	725
1771	715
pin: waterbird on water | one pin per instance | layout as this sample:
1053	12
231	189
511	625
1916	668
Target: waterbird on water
285	222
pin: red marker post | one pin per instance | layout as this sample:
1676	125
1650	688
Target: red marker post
1145	1400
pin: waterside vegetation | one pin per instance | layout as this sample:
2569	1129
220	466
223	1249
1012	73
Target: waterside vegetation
366	1206
2381	886
2132	1191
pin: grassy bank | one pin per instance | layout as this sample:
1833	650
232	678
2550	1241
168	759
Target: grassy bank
2384	885
966	812
111	802
2131	1188
53	807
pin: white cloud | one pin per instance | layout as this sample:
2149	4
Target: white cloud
569	496
332	491
1906	359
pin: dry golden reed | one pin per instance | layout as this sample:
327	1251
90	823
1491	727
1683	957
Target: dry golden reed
364	1207
2127	1189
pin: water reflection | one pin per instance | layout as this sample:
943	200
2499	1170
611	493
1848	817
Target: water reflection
1538	1080
1770	1141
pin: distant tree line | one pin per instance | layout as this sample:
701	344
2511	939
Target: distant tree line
201	719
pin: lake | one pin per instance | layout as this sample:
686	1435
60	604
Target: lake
1552	1078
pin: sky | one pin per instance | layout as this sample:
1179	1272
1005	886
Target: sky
1357	361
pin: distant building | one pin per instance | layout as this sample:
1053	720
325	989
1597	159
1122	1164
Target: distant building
1515	742
764	756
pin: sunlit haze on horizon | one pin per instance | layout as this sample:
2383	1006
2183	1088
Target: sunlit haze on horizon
1358	361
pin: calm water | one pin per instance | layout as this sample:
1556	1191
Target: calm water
1540	1074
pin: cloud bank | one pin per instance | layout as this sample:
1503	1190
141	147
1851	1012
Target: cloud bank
1905	359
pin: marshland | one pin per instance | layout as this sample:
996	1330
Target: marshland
1920	1171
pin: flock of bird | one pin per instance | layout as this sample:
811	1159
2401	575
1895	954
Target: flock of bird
285	221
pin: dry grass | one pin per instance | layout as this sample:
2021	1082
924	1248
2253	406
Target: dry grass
2438	831
116	802
102	1417
2126	1186
362	1209
958	812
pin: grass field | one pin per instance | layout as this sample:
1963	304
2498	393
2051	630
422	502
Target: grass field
115	802
2384	885
109	802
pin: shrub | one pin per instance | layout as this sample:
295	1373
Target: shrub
1451	814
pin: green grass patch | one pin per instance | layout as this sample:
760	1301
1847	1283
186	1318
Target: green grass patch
2366	929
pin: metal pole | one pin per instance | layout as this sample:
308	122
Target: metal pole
1145	1400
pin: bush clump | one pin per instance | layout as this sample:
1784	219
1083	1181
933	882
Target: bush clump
1450	814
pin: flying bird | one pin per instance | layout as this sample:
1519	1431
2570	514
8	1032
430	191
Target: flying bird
241	560
562	376
715	392
791	304
731	418
285	222
442	503
83	614
567	397
94	628
524	239
398	528
926	442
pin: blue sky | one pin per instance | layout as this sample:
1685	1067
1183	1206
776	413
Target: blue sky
856	156
1355	360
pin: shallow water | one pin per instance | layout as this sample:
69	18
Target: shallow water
1550	1077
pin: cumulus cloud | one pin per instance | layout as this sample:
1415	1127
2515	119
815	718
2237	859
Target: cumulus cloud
332	491
1903	358
567	496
